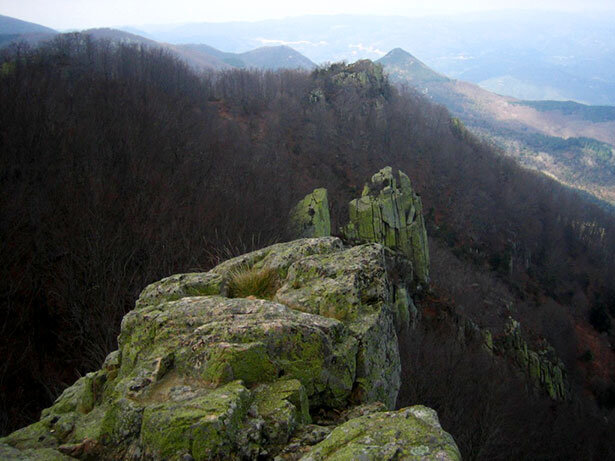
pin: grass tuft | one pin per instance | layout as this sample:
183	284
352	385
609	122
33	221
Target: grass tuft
249	281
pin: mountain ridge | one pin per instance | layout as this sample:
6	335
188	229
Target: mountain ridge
574	143
13	29
467	47
199	56
14	26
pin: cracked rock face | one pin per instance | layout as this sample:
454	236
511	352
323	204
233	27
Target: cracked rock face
310	217
390	213
199	375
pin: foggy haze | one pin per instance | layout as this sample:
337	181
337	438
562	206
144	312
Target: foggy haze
80	14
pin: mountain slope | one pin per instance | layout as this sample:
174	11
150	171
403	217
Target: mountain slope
276	57
573	142
196	58
14	26
13	29
201	56
402	66
266	57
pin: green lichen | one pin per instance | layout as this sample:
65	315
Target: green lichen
88	426
248	362
180	286
91	391
210	377
8	453
310	217
204	427
402	309
37	435
542	367
284	407
390	213
280	256
408	434
352	286
121	422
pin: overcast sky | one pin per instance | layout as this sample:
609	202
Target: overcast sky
79	14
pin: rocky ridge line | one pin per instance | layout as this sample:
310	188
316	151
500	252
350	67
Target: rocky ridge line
311	372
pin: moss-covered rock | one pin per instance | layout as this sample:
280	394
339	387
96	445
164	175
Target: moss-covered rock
202	376
353	286
390	213
219	340
204	425
284	407
281	255
310	217
180	286
8	453
411	434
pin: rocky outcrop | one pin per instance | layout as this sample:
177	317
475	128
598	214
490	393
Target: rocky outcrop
390	213
308	372
361	74
543	367
537	362
310	217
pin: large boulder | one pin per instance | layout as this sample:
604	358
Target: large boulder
200	374
389	212
410	434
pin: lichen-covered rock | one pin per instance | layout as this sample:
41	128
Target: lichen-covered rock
200	424
180	286
284	407
353	286
390	213
219	340
216	281
410	434
202	376
8	453
310	217
280	256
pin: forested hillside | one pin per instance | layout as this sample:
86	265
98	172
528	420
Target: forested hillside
120	166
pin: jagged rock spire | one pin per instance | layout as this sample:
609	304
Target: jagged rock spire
310	217
391	213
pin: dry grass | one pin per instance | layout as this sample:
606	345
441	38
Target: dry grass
251	282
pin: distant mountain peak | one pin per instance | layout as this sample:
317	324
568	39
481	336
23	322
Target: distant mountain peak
276	57
398	53
402	66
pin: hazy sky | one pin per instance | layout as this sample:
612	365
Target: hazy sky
65	14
